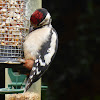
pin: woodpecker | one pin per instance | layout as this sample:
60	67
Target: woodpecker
40	45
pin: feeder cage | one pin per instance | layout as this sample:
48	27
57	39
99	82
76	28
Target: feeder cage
14	25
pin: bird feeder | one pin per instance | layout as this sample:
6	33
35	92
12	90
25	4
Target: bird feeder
13	29
14	25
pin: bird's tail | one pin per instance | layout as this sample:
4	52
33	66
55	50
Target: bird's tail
28	84
32	78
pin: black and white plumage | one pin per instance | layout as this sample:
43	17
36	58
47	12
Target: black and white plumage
40	45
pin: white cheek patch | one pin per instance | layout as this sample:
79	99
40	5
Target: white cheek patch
51	50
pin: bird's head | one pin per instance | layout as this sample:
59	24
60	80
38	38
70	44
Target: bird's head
40	17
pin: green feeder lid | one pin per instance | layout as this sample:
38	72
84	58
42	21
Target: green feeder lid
10	91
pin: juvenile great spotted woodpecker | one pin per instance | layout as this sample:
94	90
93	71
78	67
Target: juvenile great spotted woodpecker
40	45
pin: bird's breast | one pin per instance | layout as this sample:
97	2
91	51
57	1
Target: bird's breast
34	42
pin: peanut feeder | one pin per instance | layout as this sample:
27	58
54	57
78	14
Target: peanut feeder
13	29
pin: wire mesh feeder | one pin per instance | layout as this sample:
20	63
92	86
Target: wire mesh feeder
13	28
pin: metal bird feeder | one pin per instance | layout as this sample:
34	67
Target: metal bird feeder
13	29
14	25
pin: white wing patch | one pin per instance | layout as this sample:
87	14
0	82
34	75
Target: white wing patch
41	63
36	60
31	76
51	50
37	71
34	68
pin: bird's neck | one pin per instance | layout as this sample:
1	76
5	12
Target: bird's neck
46	25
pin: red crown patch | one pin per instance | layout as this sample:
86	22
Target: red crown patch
36	17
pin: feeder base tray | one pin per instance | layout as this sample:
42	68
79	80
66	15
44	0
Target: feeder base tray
10	91
9	60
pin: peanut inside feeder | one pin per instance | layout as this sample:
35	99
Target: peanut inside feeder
12	28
